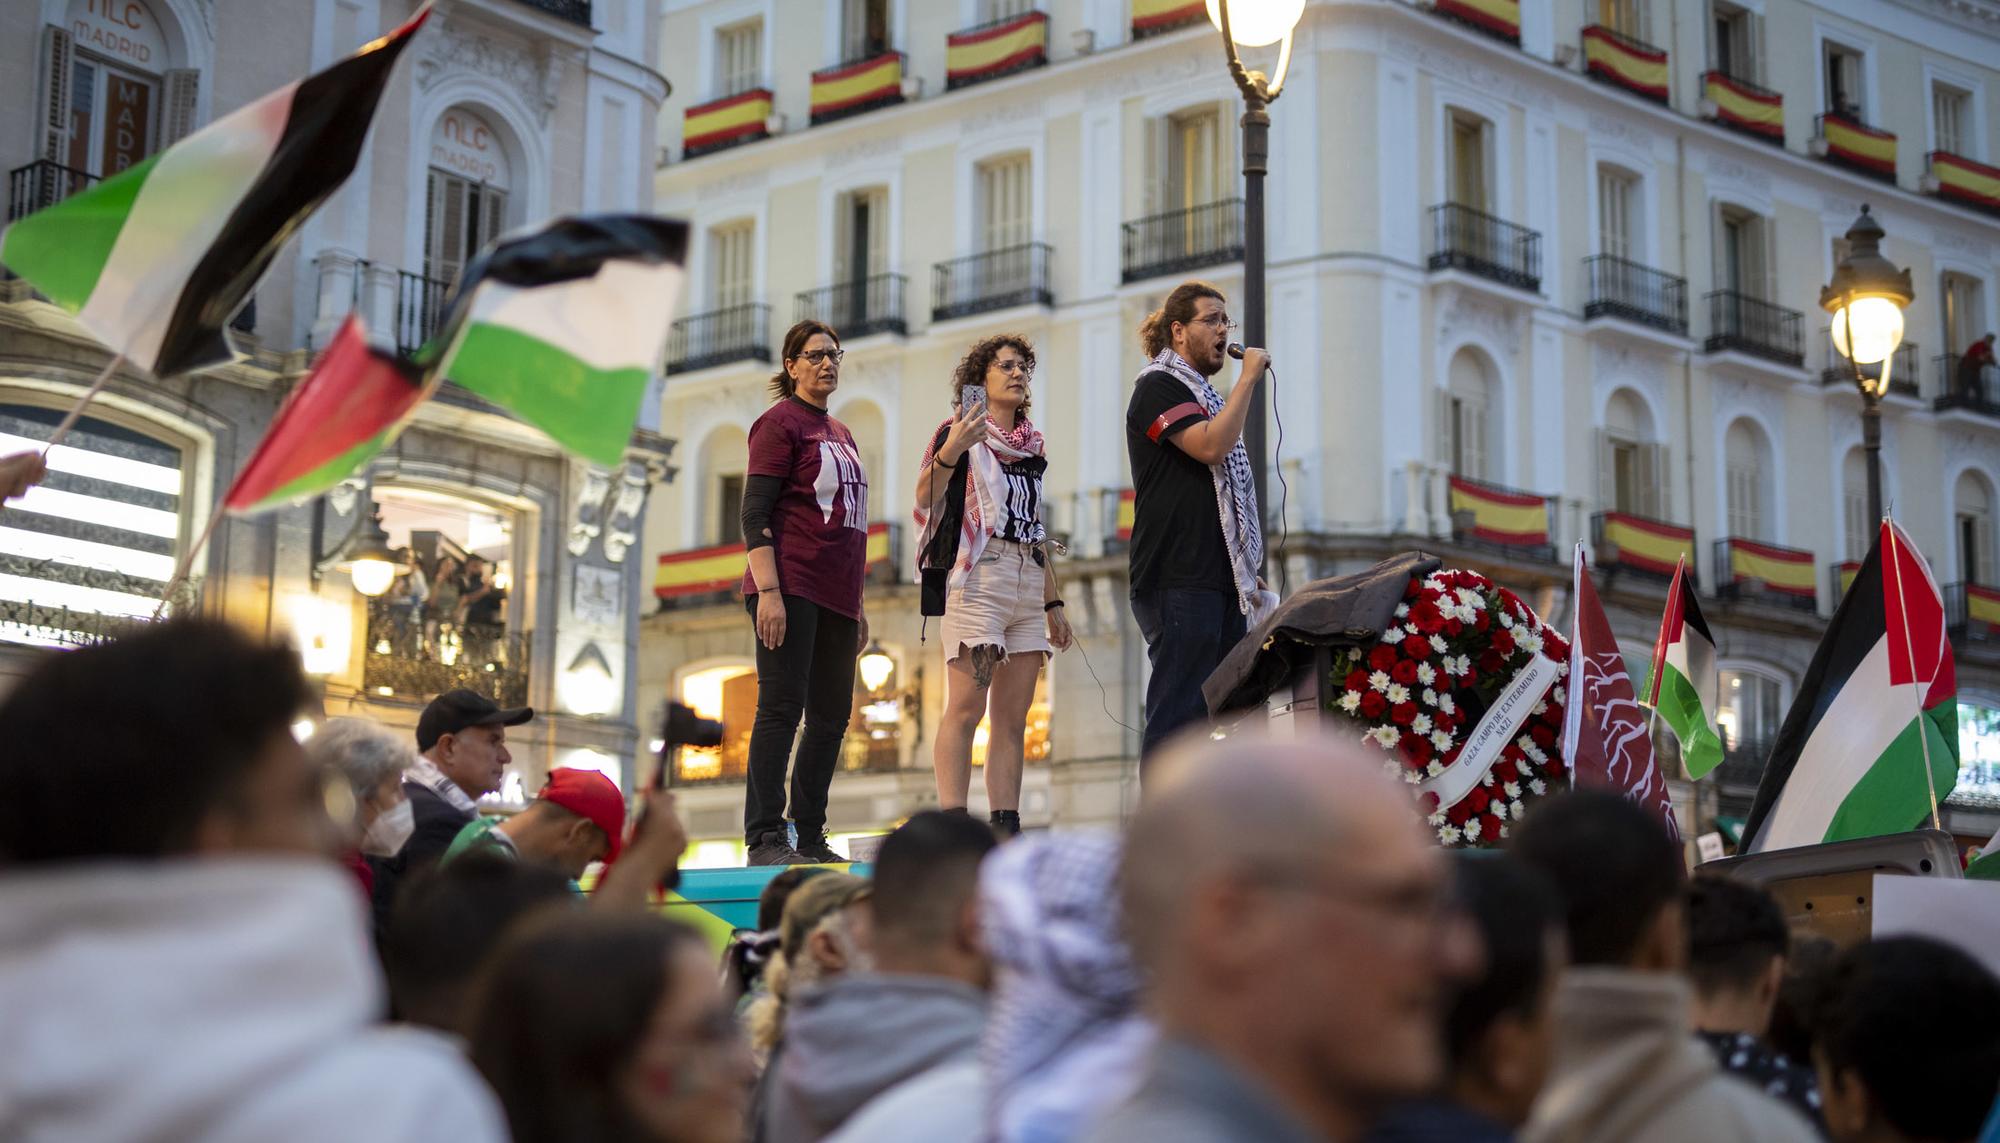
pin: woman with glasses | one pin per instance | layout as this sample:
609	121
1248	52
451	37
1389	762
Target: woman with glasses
986	568
805	525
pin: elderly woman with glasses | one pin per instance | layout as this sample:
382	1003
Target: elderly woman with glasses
986	567
805	525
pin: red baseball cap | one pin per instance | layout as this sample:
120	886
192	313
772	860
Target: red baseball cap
594	796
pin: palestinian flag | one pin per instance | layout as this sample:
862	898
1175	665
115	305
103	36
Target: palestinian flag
1682	684
156	260
1985	865
349	407
566	326
1877	705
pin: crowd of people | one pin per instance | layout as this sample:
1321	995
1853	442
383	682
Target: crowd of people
1271	951
452	608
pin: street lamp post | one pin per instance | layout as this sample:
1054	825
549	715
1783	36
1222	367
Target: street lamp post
1250	24
1866	298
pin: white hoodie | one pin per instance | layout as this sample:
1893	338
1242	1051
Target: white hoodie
222	999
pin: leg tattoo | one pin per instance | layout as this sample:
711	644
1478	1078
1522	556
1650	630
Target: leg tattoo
984	658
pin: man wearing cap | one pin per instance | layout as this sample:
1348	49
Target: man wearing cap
462	736
578	818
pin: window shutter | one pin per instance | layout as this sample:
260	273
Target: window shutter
1156	145
1982	537
182	84
56	52
1607	473
1447	410
495	204
1653	462
1472	434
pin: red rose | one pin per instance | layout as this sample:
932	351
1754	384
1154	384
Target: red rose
1503	642
1489	827
1403	713
1404	672
1453	628
1373	704
1491	661
1505	771
1459	814
1417	749
1382	657
1417	647
1429	802
1543	736
1477	798
1357	679
1426	617
1554	768
1481	621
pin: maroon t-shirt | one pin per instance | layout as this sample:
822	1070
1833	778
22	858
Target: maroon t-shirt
819	526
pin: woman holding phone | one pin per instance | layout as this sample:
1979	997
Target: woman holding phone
987	569
805	525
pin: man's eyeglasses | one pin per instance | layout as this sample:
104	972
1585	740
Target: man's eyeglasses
1014	367
816	356
1217	321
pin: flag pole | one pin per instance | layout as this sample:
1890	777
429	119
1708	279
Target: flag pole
187	559
1909	651
76	410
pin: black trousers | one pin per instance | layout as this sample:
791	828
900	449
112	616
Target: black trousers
811	674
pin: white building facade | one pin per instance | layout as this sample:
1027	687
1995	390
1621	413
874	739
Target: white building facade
1558	257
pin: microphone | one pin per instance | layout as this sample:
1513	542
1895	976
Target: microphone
1236	351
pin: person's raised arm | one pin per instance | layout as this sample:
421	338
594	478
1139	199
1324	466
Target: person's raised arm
934	476
1209	441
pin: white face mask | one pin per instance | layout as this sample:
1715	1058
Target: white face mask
385	835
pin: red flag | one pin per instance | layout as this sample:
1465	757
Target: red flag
1606	738
346	410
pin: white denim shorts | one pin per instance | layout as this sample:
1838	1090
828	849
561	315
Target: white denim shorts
1000	604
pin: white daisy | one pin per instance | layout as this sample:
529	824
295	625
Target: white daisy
1420	724
1486	779
1512	789
1427	674
1379	680
1506	621
1430	697
1434	769
1538	786
1530	641
1472	830
1515	810
1385	736
1350	702
1402	609
1448	834
1397	693
1411	777
1541	707
1440	740
1436	819
1446	704
1503	830
1438	644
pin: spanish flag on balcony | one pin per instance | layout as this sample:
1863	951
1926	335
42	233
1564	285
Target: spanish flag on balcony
984	53
1743	106
1846	572
1127	504
1501	516
1641	544
1501	17
718	124
1982	605
1962	179
1151	16
1858	145
722	567
1786	570
1625	62
854	87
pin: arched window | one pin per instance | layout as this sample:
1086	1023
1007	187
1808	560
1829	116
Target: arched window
1972	521
1632	474
719	484
1747	477
466	203
1469	428
1857	530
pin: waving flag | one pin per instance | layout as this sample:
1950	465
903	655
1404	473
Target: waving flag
1871	743
1682	683
156	260
1605	732
567	325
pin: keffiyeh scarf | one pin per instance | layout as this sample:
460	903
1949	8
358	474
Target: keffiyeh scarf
1235	492
989	511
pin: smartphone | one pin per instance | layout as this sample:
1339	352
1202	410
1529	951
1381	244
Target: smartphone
970	399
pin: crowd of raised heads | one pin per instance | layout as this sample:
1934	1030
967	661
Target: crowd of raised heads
195	945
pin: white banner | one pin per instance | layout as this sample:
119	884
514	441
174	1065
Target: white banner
1495	730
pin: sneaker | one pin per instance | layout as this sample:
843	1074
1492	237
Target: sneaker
813	848
1005	823
772	849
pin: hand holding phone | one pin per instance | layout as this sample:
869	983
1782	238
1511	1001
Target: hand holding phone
972	401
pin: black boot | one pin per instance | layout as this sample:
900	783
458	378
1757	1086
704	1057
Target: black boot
1005	823
814	849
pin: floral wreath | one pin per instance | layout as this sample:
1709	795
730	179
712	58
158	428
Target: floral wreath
1458	641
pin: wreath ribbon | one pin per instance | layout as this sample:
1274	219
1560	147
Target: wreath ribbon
1496	729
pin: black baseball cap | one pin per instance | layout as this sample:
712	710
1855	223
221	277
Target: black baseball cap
453	711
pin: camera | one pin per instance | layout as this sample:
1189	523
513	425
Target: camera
686	728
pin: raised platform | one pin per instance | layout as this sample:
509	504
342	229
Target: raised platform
721	901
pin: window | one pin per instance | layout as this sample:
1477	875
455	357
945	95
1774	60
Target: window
1005	210
1951	120
991	10
1735	47
1467	176
1626	17
1196	174
1467	425
861	237
731	264
1740	258
1616	196
1631	469
739	58
1750	713
460	217
1964	308
1744	476
1842	66
1857	531
728	509
864	29
1972	512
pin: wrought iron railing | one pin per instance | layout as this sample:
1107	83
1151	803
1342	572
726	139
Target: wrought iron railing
1622	288
1976	390
25	621
1463	238
41	184
1961	601
1903	367
1182	240
1752	325
995	280
410	658
575	11
1742	765
857	308
419	309
719	337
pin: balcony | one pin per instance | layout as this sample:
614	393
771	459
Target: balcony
42	184
1903	367
720	337
1183	240
420	305
1501	519
1750	325
1629	542
700	577
1963	386
1841	576
1972	613
995	280
1620	288
1622	61
407	660
996	49
857	87
1471	240
1500	19
1753	571
575	11
1743	106
727	122
1845	140
1959	179
857	308
1158	17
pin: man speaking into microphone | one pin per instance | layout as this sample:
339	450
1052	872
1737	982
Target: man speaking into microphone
1197	540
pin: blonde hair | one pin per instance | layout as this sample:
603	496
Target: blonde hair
1157	331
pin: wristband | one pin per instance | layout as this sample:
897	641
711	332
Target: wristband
768	590
939	461
1052	604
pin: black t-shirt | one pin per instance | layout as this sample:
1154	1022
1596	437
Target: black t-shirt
1023	493
1176	530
